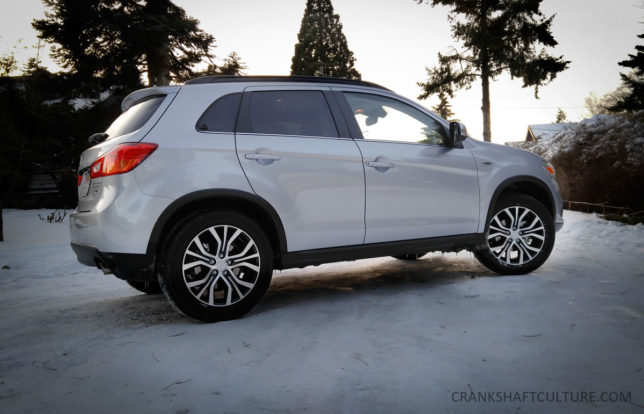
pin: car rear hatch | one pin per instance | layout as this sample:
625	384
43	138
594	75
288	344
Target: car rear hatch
141	111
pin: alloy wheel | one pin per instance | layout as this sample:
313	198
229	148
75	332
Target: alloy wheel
221	265
516	235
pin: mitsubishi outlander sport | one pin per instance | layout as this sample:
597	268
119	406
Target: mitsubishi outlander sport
201	190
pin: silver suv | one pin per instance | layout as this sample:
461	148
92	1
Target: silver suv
201	190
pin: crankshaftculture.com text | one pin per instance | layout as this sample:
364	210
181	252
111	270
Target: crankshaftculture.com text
540	397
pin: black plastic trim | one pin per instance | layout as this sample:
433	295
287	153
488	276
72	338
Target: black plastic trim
243	117
205	195
141	266
123	265
515	180
364	251
309	79
347	113
336	113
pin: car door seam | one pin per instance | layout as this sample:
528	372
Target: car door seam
239	114
364	204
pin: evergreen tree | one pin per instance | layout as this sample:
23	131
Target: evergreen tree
7	64
633	82
233	65
111	43
561	117
13	141
443	108
34	134
322	48
496	36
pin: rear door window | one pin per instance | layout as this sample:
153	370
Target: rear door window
135	117
291	113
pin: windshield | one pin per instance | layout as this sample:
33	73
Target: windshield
134	118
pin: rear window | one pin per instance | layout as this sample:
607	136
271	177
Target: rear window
221	115
291	113
135	117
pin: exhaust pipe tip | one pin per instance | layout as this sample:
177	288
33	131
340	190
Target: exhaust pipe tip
106	270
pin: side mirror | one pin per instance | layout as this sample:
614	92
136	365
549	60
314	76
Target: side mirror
457	134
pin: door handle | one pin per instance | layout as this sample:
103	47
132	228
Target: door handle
266	157
380	164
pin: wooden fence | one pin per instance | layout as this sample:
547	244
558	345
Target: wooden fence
601	208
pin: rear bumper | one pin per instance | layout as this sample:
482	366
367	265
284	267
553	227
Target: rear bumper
125	266
120	219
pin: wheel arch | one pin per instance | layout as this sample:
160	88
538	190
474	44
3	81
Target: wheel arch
524	184
252	205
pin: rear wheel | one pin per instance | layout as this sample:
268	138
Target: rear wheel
217	266
146	286
519	236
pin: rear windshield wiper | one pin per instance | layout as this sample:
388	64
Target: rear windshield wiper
97	138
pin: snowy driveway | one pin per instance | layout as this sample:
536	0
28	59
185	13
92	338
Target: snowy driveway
371	336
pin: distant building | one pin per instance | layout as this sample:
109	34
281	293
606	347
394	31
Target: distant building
540	132
545	132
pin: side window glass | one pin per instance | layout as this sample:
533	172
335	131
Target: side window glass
221	115
291	113
385	119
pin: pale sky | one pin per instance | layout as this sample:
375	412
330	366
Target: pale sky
393	41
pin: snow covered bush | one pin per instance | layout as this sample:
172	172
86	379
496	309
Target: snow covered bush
601	159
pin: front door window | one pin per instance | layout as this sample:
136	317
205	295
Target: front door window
385	119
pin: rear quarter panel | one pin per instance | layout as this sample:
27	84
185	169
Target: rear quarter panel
189	160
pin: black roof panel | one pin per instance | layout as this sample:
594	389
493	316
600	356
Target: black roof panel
310	79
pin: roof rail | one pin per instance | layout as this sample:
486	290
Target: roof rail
310	79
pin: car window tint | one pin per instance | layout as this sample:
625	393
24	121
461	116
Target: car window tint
291	113
221	115
385	119
135	117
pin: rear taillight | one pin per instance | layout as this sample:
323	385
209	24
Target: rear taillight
121	159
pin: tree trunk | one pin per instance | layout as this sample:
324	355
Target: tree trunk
485	107
485	77
158	52
158	65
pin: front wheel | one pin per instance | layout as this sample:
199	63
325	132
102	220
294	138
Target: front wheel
519	236
217	266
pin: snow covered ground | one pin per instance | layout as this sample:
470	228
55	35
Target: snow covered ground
371	336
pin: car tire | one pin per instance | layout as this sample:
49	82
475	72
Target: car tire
150	287
519	236
409	256
216	266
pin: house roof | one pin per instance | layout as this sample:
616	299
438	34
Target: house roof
545	132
